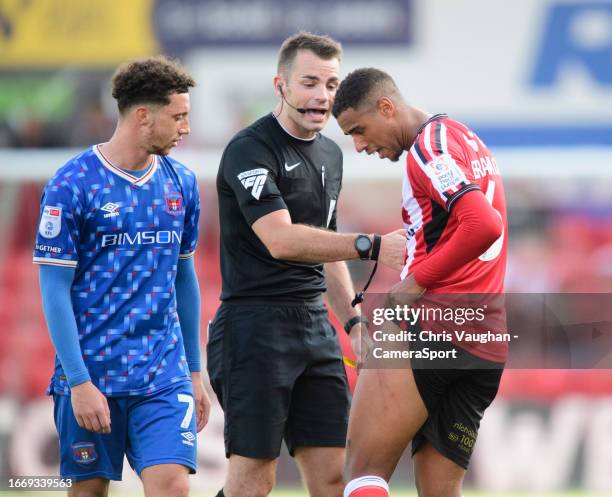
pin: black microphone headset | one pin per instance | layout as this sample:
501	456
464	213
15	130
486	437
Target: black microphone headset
299	109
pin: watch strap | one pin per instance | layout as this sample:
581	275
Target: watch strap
375	247
348	326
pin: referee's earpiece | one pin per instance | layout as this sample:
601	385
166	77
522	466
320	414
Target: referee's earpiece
279	87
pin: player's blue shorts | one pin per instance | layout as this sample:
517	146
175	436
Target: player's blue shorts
153	429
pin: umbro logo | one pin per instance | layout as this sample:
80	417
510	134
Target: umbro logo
111	210
189	438
292	167
255	179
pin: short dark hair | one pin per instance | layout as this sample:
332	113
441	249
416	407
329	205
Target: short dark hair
357	87
322	46
149	81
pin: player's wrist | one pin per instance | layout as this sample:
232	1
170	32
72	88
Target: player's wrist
82	387
79	379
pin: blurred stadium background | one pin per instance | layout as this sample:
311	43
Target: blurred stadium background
532	77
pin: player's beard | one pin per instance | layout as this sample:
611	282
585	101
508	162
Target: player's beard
157	139
396	155
160	145
160	149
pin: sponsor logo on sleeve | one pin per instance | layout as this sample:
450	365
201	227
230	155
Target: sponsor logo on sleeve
48	248
254	180
50	222
445	173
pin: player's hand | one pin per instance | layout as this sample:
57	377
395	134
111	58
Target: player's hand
202	402
393	249
361	343
405	292
90	408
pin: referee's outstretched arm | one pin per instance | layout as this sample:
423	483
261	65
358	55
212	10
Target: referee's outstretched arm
297	242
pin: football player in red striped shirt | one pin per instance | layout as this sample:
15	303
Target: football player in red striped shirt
454	213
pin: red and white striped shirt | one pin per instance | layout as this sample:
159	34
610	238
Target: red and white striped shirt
446	161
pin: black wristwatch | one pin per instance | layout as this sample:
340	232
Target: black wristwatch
367	249
363	246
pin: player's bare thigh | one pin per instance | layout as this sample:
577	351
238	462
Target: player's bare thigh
165	480
435	474
96	487
249	477
321	469
386	412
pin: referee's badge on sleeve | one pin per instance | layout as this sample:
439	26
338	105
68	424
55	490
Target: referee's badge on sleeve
50	222
255	179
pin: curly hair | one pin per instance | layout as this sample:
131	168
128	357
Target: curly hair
357	87
149	81
323	46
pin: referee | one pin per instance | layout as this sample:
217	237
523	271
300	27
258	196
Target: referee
273	357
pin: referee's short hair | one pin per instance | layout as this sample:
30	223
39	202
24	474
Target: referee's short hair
357	88
149	81
322	46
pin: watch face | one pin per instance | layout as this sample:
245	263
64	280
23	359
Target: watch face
363	244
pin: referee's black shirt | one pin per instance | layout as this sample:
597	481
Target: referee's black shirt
264	169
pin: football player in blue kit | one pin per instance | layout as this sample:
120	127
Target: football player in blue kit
115	245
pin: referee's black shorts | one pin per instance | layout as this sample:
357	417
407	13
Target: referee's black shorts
278	373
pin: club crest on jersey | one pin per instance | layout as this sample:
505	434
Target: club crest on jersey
173	204
255	179
50	222
84	452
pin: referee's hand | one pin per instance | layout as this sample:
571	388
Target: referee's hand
393	249
90	408
361	343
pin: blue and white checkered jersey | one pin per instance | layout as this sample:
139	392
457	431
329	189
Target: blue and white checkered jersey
124	235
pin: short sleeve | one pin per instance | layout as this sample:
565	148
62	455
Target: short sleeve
61	211
332	214
440	166
332	223
189	240
249	169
